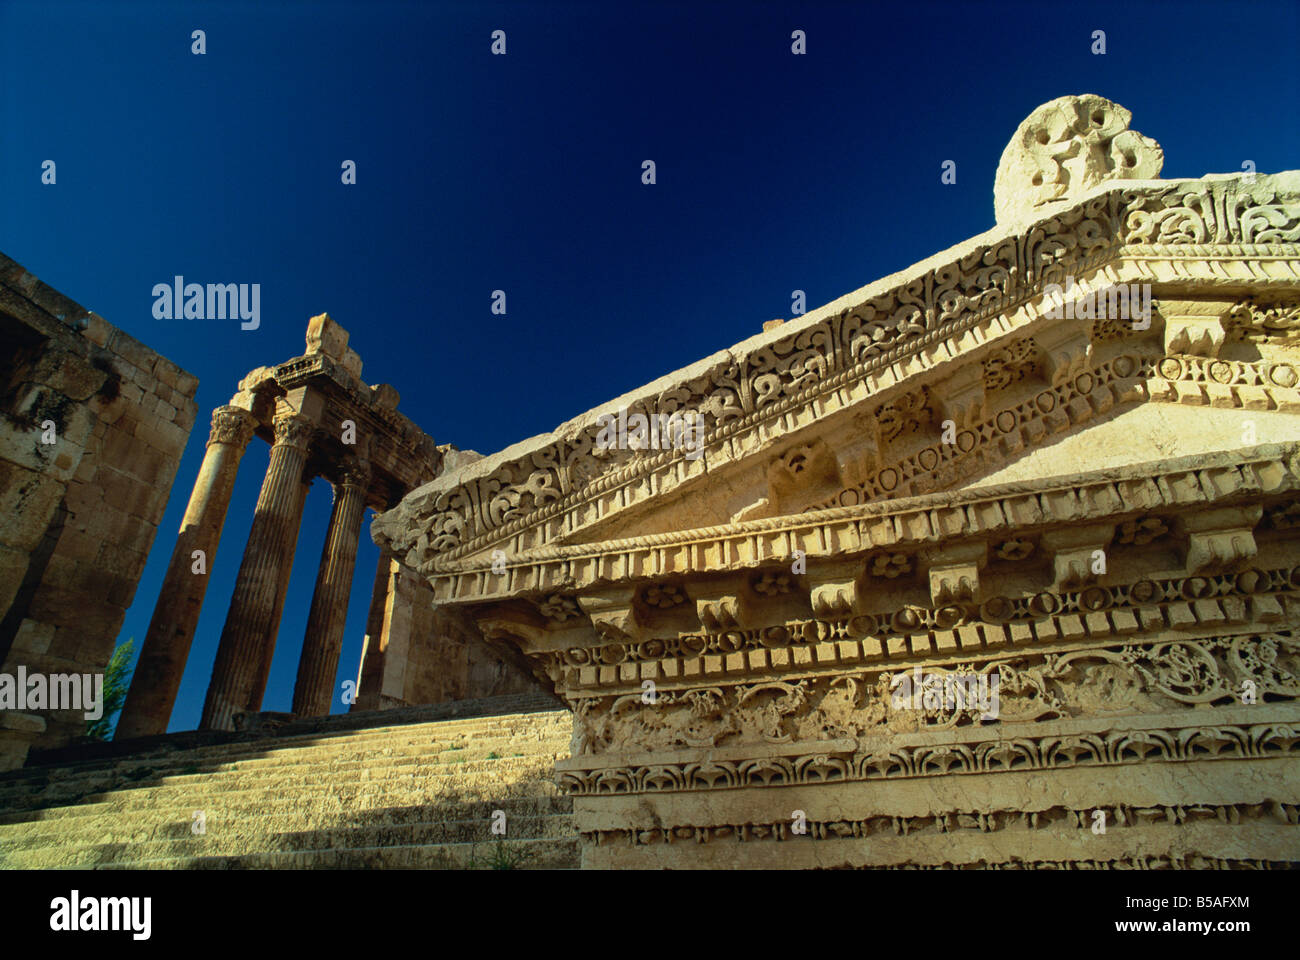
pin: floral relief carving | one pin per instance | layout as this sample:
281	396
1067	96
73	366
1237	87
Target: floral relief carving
910	413
1126	679
1016	361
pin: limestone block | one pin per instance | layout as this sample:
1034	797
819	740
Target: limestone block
327	337
955	582
384	395
27	503
1074	552
97	329
351	363
1220	547
614	613
69	374
132	351
13	566
166	372
835	589
187	384
18	731
33	637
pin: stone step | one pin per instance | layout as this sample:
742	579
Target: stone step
83	825
286	765
248	802
341	765
427	779
540	855
266	838
432	736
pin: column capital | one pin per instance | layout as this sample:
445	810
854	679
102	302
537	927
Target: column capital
293	430
354	472
232	425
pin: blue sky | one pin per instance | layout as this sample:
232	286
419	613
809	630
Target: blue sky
522	172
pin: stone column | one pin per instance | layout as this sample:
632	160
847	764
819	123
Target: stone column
248	638
329	604
286	572
166	647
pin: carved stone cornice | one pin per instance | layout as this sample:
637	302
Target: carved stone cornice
355	400
833	358
1184	484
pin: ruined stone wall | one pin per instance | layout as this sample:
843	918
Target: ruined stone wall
77	515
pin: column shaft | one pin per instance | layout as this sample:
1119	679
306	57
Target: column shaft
167	643
248	638
286	571
323	642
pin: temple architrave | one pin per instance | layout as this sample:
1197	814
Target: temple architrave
992	562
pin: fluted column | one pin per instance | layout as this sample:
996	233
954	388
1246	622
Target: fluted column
167	643
329	604
248	638
286	572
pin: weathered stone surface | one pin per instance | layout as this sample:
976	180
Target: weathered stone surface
327	337
77	516
1066	147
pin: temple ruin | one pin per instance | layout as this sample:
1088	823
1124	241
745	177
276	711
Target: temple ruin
991	563
322	421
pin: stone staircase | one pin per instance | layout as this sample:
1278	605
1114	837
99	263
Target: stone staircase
419	794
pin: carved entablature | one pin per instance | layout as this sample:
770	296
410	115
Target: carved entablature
891	350
906	416
1201	513
1130	677
1003	611
343	420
